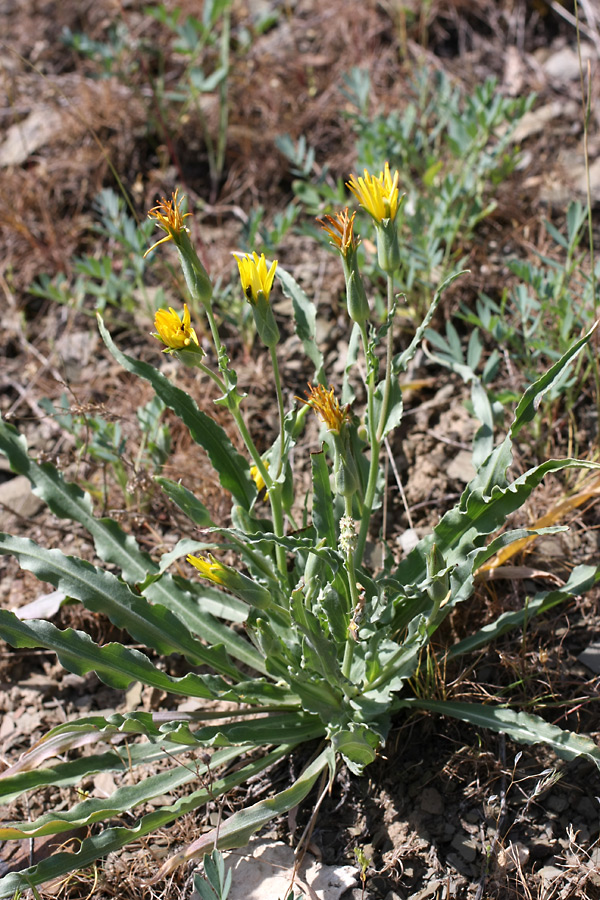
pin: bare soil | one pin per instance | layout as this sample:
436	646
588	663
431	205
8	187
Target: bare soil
441	793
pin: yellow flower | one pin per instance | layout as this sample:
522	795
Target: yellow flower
209	567
169	217
379	196
259	481
176	333
341	230
255	276
326	405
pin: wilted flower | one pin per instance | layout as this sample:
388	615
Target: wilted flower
169	217
379	196
255	277
326	405
341	231
176	333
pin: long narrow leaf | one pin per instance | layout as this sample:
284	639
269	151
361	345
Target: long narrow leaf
582	578
113	839
305	318
68	501
522	727
232	468
114	664
100	591
239	828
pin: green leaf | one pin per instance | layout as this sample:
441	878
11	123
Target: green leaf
111	839
186	501
68	501
100	591
401	361
114	664
232	468
522	727
185	600
322	511
530	401
239	828
305	317
582	578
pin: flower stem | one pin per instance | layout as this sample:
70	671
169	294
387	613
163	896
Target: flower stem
376	431
281	411
354	599
388	361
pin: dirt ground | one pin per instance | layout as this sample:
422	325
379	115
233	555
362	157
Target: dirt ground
71	126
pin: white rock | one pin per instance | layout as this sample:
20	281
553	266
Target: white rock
264	871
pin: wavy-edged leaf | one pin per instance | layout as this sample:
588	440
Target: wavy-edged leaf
239	828
232	468
466	526
530	401
177	596
305	317
322	511
111	839
520	726
114	664
400	362
99	590
581	579
186	501
68	501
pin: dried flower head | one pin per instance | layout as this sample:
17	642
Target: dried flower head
169	217
326	405
379	196
255	277
177	333
341	231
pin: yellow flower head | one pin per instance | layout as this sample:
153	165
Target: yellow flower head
176	333
169	217
326	405
341	231
209	567
379	196
259	481
255	276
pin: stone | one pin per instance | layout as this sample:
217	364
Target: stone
265	871
465	845
431	802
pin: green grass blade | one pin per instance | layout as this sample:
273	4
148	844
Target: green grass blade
232	468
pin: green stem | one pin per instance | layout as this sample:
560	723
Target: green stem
388	361
219	348
274	490
281	411
218	381
354	598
